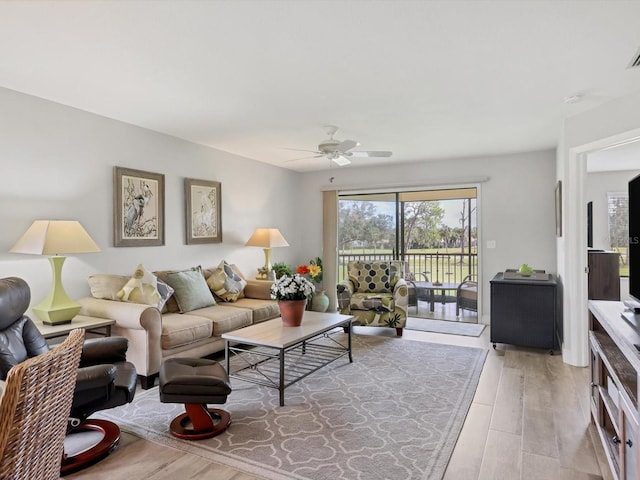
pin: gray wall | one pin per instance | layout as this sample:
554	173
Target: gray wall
57	163
516	204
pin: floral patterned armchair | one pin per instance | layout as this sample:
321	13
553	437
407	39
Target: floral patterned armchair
375	294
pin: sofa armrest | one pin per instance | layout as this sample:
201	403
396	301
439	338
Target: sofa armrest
135	316
138	323
260	289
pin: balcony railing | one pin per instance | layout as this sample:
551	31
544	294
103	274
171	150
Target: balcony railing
443	267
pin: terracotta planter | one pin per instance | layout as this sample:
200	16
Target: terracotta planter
291	312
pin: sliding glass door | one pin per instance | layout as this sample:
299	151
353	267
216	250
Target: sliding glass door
434	231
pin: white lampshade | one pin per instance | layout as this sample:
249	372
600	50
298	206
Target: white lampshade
54	237
267	238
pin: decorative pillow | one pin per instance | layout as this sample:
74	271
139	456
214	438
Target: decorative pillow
165	292
106	286
190	289
225	283
172	304
353	272
142	287
374	278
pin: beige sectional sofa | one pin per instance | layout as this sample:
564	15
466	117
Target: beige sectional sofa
155	336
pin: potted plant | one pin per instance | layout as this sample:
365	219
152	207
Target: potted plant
292	292
281	268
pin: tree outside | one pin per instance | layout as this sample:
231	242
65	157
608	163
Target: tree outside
436	234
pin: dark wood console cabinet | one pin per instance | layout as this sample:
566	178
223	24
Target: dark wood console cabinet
604	275
524	312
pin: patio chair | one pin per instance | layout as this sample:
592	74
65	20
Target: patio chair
467	296
375	294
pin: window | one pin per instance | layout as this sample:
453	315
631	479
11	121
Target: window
618	216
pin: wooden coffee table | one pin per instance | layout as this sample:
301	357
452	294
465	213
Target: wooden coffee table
276	356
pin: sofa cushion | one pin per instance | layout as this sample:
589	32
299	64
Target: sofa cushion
225	283
190	289
261	309
183	329
225	317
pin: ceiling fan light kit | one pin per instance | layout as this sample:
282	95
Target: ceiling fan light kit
338	150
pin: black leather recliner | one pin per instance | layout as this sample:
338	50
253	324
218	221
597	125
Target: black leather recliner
105	379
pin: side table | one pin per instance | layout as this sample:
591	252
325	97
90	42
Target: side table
98	326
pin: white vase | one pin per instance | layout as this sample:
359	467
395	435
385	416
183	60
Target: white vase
320	301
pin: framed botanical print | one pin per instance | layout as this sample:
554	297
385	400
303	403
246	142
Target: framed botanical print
203	211
138	208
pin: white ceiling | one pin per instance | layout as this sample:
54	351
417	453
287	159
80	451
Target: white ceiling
425	79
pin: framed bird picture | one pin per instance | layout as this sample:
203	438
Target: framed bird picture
202	199
138	207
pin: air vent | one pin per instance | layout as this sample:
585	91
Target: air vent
636	60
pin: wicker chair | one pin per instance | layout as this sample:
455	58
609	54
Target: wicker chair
34	410
104	380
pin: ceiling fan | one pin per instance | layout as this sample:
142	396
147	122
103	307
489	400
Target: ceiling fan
338	151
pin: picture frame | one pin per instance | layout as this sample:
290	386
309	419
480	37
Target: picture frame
203	211
559	208
138	208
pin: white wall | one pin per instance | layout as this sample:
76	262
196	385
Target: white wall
57	163
516	205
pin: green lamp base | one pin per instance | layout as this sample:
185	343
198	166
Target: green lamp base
56	308
57	316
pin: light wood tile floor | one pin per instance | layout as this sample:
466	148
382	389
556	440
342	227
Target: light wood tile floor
529	421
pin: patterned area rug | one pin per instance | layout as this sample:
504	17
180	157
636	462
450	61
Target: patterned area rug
394	413
443	326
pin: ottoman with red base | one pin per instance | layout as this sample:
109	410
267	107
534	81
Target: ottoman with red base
195	382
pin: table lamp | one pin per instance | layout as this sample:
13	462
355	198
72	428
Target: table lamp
266	238
55	237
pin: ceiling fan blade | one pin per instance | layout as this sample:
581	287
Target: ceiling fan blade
303	158
300	150
340	160
345	145
369	154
